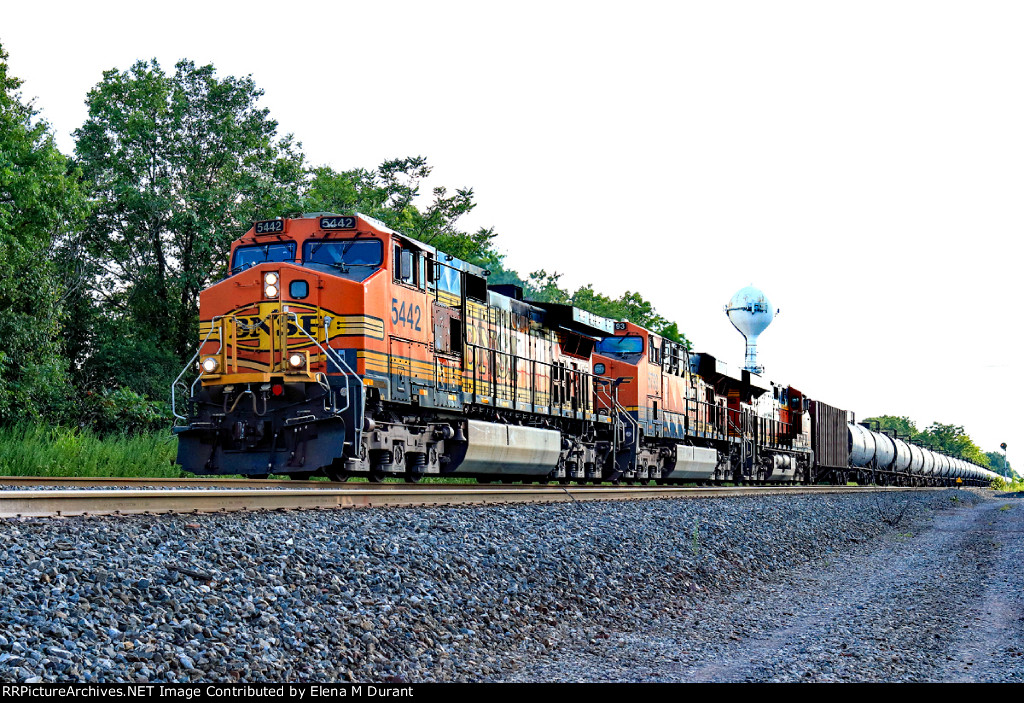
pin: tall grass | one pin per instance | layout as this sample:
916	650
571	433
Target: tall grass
1002	483
34	450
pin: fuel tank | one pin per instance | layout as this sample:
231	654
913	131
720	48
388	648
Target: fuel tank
494	448
694	463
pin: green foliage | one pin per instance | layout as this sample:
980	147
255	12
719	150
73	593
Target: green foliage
1014	484
543	286
121	356
630	306
903	426
997	462
179	165
40	203
123	411
951	440
36	450
387	193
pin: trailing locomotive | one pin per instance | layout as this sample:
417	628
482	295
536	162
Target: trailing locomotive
338	346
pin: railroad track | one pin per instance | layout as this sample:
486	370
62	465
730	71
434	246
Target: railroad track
182	496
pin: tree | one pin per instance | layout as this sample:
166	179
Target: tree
903	426
40	204
954	441
543	287
179	166
950	440
388	194
997	462
629	306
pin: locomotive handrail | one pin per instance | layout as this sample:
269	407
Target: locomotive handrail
584	400
343	367
712	416
621	411
216	324
220	336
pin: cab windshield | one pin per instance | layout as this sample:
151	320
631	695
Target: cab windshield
621	347
259	253
342	253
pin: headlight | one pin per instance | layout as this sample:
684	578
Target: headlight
210	364
270	281
296	361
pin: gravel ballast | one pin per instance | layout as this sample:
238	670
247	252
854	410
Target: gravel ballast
727	589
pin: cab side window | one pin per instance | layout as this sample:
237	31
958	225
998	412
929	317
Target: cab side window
407	266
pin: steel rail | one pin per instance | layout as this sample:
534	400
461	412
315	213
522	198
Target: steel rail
213	482
54	503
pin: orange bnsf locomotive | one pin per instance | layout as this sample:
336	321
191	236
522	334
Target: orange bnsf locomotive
687	418
339	347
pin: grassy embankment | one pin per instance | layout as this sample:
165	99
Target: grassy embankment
59	451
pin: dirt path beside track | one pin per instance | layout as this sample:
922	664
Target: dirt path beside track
941	599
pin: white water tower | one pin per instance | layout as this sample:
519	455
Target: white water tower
750	312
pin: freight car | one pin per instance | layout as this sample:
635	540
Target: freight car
340	347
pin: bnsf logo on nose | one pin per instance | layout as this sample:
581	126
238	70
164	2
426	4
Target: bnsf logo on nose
255	327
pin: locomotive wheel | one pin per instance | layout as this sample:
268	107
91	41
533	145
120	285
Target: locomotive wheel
376	477
258	477
413	477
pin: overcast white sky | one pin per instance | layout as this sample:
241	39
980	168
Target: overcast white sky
861	162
